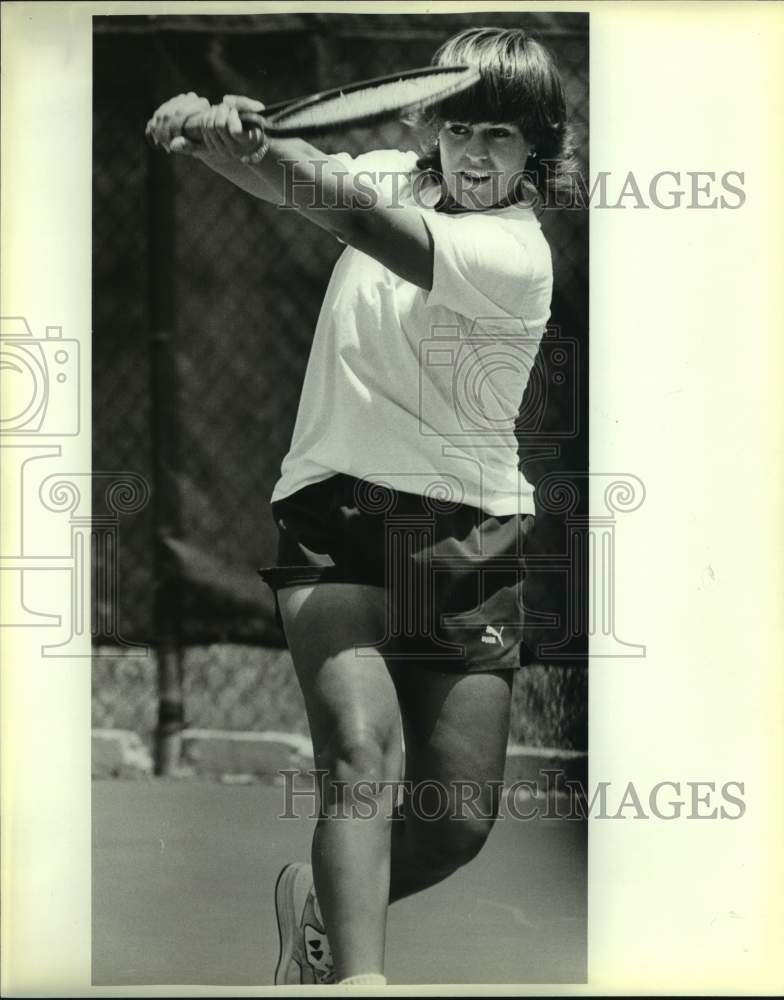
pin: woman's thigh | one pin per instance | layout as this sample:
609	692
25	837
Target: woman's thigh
456	731
349	694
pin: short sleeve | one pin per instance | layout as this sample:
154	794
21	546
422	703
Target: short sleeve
386	170
480	269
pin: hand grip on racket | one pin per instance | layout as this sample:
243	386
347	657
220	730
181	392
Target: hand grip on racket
363	103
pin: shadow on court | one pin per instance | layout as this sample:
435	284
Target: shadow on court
183	874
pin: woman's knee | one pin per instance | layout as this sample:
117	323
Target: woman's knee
355	753
359	759
447	844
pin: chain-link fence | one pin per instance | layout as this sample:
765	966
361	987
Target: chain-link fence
205	300
254	688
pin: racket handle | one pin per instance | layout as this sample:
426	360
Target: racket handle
191	127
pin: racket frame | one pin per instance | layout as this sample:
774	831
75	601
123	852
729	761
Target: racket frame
276	123
275	127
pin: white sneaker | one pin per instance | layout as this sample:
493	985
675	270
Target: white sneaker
305	955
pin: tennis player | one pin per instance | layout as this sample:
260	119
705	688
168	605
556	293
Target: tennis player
400	508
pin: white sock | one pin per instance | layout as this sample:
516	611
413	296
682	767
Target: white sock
368	979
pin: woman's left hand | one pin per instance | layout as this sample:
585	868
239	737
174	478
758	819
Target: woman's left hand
222	133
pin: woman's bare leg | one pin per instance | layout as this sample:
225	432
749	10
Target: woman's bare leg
356	730
456	729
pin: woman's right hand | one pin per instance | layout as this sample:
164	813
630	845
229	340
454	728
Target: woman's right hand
222	135
165	126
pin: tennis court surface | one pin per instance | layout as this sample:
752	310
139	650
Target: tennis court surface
183	874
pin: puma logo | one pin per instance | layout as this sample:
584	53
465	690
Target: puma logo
493	635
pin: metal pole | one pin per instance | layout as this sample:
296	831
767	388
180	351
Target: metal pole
165	448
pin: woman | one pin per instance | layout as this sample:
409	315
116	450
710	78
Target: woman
400	508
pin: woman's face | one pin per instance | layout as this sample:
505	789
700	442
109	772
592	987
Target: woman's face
481	161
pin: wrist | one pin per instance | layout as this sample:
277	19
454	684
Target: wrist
254	156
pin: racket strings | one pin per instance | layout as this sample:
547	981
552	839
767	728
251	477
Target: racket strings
356	105
371	102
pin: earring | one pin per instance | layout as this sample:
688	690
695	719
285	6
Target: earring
532	154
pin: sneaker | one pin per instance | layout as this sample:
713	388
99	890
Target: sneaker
305	956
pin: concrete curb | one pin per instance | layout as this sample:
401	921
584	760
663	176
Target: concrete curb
219	752
242	755
119	753
547	767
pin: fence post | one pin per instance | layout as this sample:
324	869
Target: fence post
165	454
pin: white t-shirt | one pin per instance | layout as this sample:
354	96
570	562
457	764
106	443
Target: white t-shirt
419	390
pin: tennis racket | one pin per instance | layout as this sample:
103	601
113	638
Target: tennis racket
359	104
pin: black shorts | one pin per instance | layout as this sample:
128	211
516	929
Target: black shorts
453	573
